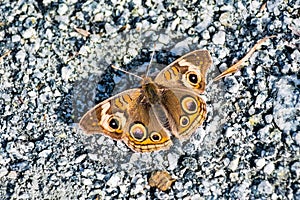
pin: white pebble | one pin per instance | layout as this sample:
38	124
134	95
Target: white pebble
87	182
205	35
29	33
219	38
114	180
3	172
260	163
296	168
269	168
45	153
173	159
16	38
109	28
265	187
32	94
297	138
62	9
21	55
164	39
234	164
12	175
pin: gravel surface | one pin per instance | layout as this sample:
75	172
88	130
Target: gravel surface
55	65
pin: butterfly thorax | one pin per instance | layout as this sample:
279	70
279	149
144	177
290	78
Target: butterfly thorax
151	90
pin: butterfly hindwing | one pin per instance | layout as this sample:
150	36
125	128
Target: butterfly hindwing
127	116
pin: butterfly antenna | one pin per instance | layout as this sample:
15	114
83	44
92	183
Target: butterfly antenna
126	72
148	67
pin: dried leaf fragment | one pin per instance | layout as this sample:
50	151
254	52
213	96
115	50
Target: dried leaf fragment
237	66
82	32
161	180
4	55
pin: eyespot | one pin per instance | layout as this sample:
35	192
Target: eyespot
114	123
138	131
184	121
155	136
189	105
193	78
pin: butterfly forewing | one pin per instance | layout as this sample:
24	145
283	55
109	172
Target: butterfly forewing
188	71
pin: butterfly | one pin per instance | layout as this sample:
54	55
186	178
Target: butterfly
145	118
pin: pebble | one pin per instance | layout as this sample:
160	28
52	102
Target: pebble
265	187
62	9
173	159
114	180
296	169
219	38
269	168
3	172
297	138
260	163
87	182
260	99
234	164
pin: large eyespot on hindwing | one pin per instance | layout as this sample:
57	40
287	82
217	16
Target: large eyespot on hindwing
114	124
184	121
189	104
138	131
155	136
193	79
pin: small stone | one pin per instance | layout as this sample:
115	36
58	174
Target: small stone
173	159
87	182
205	35
225	19
260	99
12	175
164	39
269	168
21	55
109	28
80	158
181	47
3	172
234	176
230	132
269	118
265	187
45	153
62	9
219	38
29	33
30	126
98	17
260	163
234	164
297	138
66	73
296	168
16	38
114	180
88	172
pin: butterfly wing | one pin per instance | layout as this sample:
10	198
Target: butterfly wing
128	117
188	71
186	111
